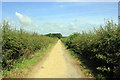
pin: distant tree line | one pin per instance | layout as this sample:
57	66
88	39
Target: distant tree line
58	35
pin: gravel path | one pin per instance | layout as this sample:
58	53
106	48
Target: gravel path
57	64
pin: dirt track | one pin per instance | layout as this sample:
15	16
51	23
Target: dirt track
57	64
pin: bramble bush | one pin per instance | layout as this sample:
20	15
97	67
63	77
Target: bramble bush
18	43
101	47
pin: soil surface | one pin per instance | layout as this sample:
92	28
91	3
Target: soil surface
57	64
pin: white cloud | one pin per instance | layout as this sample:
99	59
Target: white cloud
61	26
26	23
25	20
55	24
72	26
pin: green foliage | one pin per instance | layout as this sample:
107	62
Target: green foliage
102	47
18	44
100	77
58	35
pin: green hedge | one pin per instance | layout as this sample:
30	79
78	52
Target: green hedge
101	47
18	43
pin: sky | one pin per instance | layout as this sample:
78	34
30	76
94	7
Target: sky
60	0
58	17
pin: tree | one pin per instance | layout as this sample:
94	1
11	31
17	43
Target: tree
58	35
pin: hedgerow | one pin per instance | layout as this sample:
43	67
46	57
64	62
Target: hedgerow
18	43
101	47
